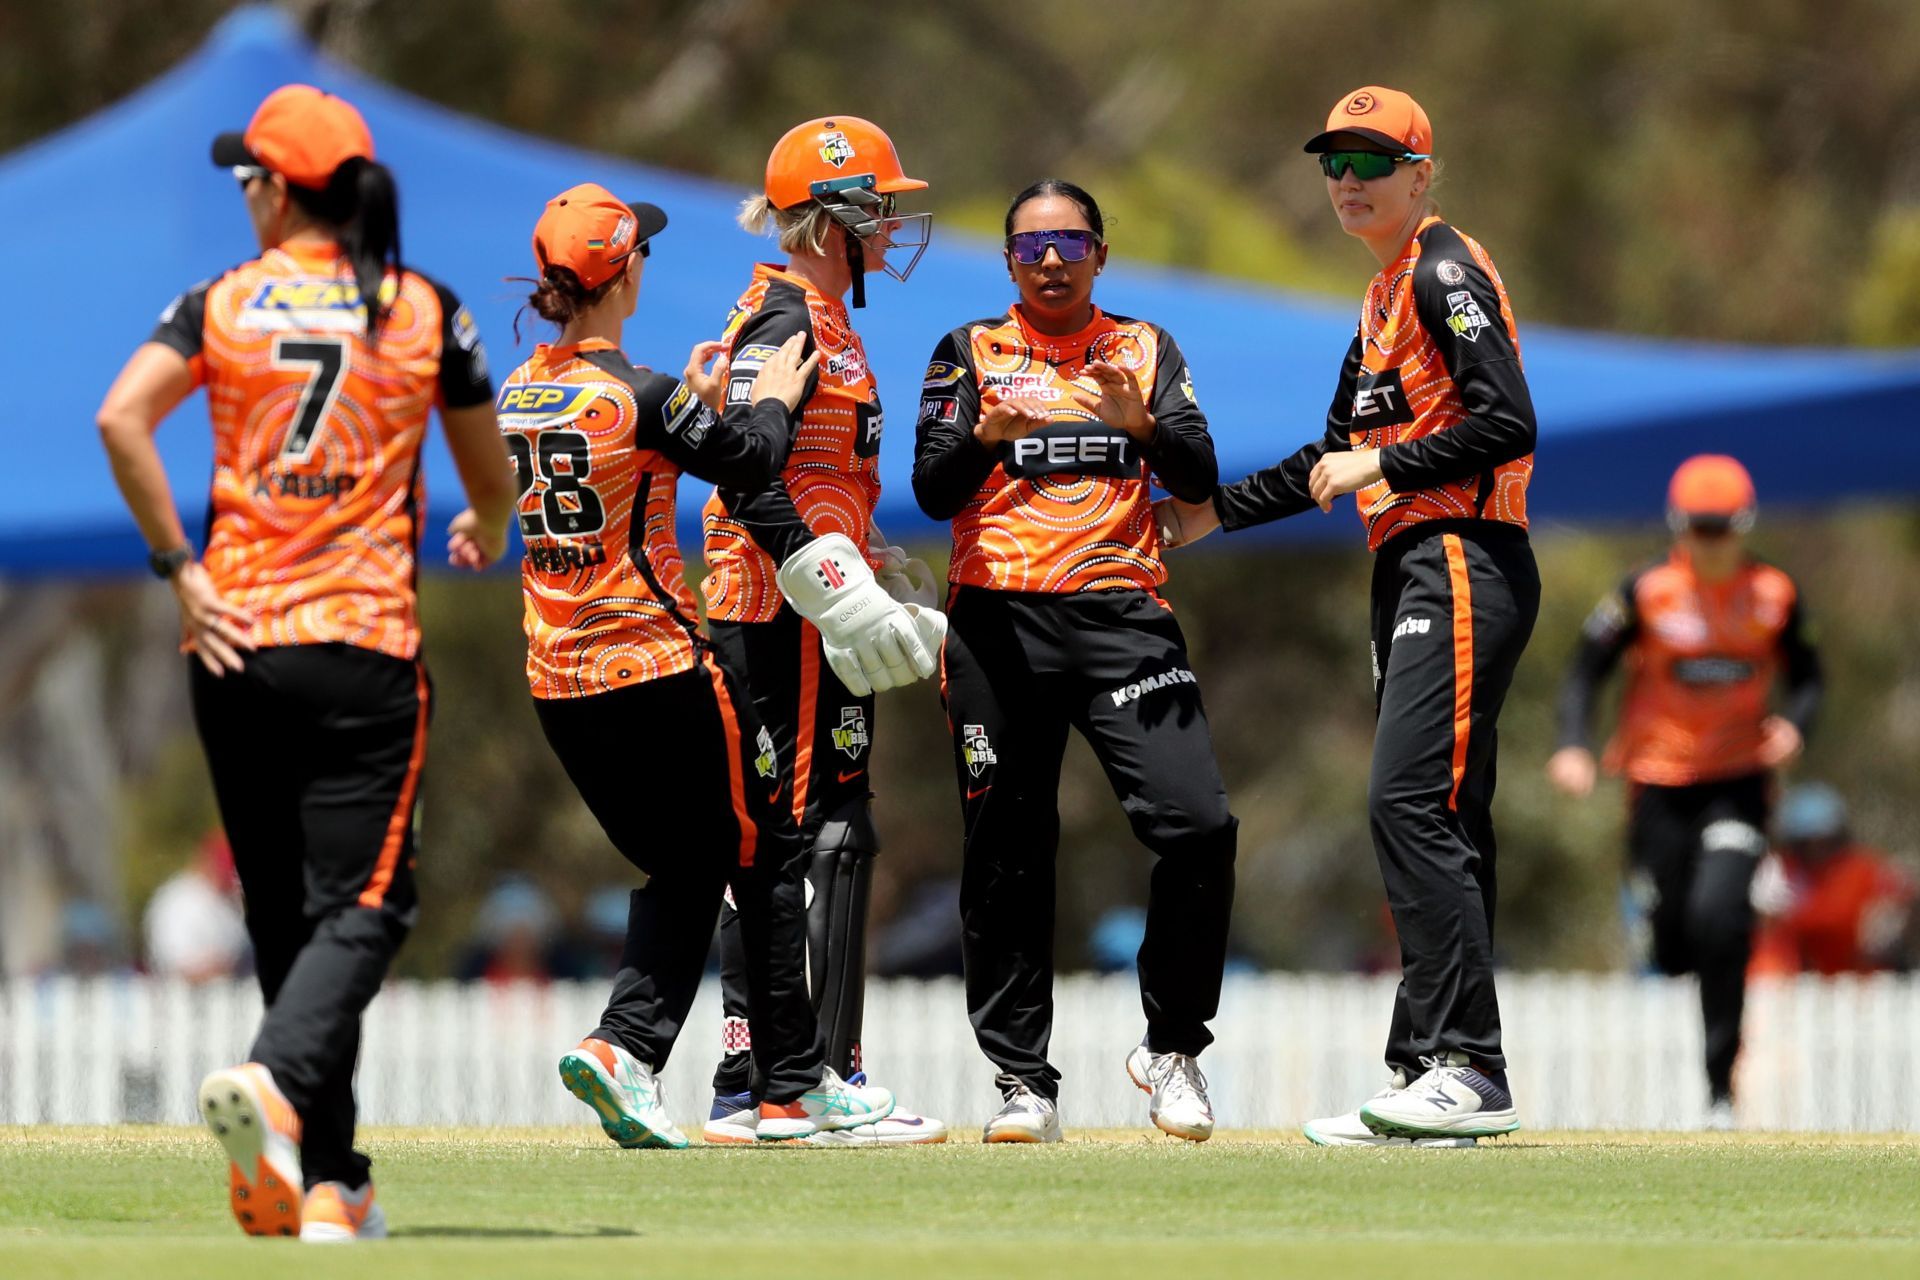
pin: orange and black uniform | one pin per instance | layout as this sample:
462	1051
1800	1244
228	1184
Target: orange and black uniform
829	484
1433	380
1054	622
649	721
313	527
1702	659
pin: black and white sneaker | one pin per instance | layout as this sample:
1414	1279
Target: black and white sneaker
1452	1100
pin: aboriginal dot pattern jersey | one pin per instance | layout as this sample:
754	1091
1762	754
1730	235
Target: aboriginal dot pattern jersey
1433	380
1702	658
313	523
831	479
607	603
1067	508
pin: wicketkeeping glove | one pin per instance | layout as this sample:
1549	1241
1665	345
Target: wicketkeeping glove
872	642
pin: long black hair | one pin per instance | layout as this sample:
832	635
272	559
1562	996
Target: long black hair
363	205
1089	209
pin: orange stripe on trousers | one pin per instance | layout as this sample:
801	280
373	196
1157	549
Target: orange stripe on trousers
383	868
736	771
1462	660
809	694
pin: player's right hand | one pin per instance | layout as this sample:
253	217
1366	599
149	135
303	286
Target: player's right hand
1010	419
212	629
471	544
784	376
1181	523
1572	771
710	387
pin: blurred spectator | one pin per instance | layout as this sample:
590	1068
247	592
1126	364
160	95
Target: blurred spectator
515	936
604	931
1114	941
1828	904
89	941
195	928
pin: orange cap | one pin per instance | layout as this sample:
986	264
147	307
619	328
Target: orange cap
1711	488
1386	116
301	133
590	231
831	154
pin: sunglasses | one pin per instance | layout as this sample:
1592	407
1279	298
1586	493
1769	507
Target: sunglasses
246	173
1029	247
1366	165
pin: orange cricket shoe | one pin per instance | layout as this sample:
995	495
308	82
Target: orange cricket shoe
335	1215
258	1127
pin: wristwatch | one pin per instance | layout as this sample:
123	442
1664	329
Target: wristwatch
167	563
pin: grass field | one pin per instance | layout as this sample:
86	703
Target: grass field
150	1204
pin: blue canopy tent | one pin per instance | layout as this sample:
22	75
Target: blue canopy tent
108	220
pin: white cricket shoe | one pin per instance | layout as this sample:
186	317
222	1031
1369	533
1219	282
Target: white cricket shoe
1350	1130
831	1104
1180	1106
1451	1100
1720	1117
623	1092
1025	1116
899	1129
734	1119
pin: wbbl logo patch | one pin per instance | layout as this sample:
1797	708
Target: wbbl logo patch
851	734
976	749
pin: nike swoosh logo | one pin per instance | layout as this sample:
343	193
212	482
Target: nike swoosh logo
975	795
849	777
773	796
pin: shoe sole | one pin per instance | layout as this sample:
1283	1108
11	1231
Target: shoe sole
844	1138
727	1138
1470	1129
583	1079
1380	1140
263	1202
1006	1135
372	1227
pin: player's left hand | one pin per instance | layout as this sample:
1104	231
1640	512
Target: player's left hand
1337	474
710	387
1780	741
1119	404
471	544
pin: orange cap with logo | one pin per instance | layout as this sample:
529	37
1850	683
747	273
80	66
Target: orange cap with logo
301	133
833	154
1387	117
591	232
1712	488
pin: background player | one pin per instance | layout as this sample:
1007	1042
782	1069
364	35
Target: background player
648	721
1039	431
830	192
321	358
1706	633
1432	424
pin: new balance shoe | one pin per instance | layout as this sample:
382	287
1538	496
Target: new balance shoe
1451	1100
1179	1103
831	1104
623	1092
1024	1116
335	1215
1350	1130
899	1129
261	1133
732	1119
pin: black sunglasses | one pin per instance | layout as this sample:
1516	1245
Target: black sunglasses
1366	165
1029	247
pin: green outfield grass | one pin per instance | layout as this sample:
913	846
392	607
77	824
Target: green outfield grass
150	1204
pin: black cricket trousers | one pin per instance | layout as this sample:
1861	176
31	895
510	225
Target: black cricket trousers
316	753
1454	603
686	783
1020	669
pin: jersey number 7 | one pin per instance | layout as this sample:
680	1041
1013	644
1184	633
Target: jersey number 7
324	361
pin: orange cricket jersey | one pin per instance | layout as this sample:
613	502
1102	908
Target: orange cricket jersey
1405	392
833	470
1700	672
314	516
607	603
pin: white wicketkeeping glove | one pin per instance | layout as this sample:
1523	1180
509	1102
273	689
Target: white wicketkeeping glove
871	640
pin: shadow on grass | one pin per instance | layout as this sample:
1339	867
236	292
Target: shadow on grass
511	1233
